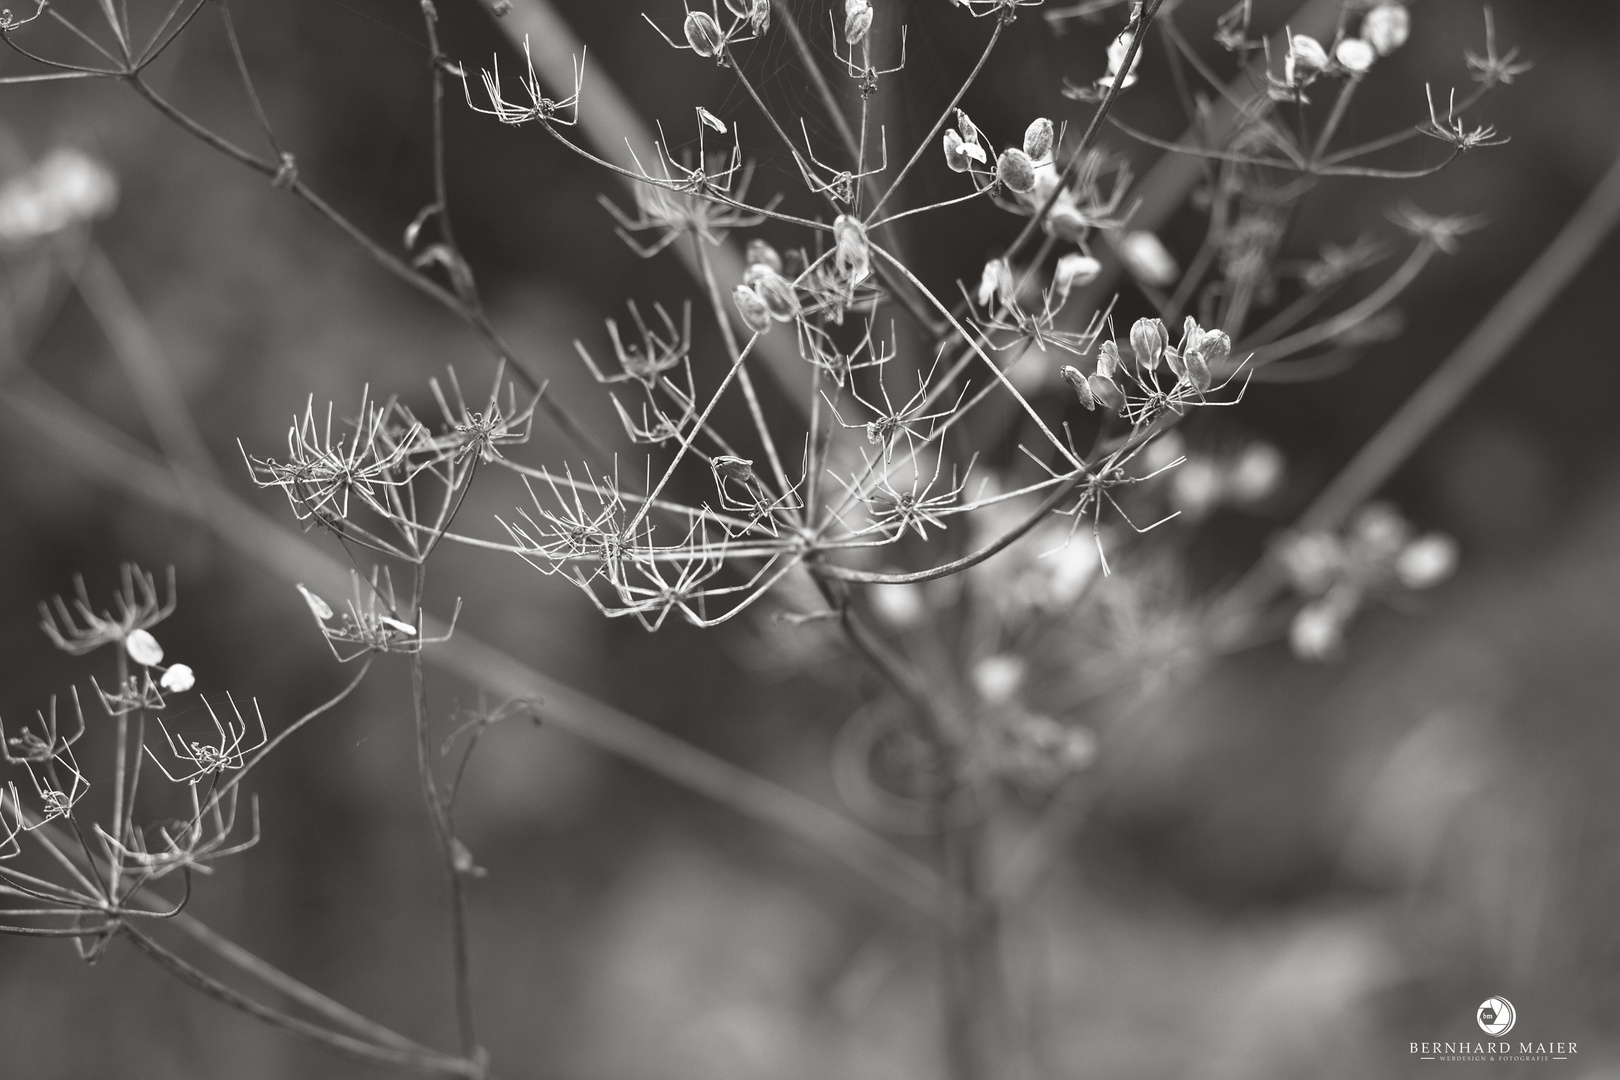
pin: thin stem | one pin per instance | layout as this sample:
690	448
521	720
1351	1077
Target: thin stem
460	964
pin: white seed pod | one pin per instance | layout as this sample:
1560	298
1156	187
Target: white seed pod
1065	221
851	251
318	607
756	314
1074	269
857	20
1116	59
1426	561
1317	632
761	253
143	648
1082	388
1386	28
956	156
178	679
1378	532
703	33
1306	53
970	132
996	283
775	290
1214	347
1355	55
1108	395
1107	359
1014	169
1148	339
1148	260
709	120
1038	140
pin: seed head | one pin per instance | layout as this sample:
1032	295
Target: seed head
1148	260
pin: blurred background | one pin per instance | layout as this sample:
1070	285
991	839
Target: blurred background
1299	870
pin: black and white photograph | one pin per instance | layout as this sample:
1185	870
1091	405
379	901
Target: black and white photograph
809	539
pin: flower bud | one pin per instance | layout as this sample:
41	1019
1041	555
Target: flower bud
756	315
761	253
1355	55
1075	378
1148	339
857	20
1014	169
1386	28
1038	140
851	251
1426	561
1313	561
143	648
1074	269
178	679
703	33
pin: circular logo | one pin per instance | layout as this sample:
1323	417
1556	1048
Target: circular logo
1496	1016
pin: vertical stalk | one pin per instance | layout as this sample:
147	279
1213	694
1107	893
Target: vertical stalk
460	965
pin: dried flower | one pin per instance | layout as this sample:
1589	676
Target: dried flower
1082	387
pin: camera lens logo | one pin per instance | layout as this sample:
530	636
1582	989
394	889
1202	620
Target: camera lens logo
1496	1016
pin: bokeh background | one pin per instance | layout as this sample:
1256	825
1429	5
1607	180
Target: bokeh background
1300	870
